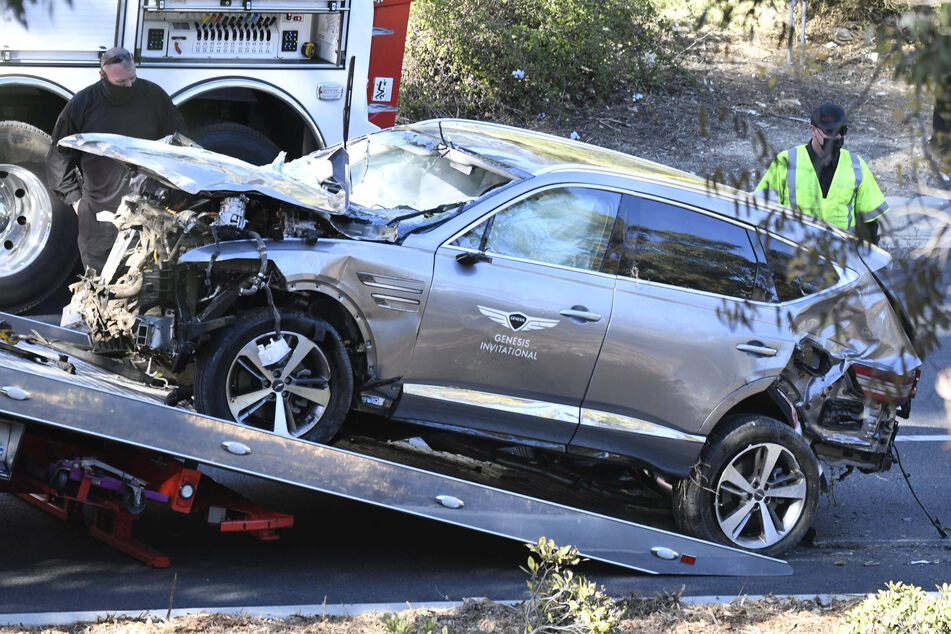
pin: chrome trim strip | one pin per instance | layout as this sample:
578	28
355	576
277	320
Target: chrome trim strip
38	82
488	400
391	283
393	303
608	420
391	298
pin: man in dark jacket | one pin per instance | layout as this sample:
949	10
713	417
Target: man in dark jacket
121	104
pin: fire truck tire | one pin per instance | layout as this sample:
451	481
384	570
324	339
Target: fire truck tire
755	486
238	141
37	232
299	385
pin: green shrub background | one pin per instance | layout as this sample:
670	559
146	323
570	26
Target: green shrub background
462	56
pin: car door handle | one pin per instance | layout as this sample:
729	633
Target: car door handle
755	347
584	315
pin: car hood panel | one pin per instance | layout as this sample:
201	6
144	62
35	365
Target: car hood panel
198	171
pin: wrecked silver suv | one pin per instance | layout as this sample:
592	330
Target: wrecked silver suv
547	298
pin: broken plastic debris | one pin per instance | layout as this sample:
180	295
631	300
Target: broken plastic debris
273	352
416	441
574	136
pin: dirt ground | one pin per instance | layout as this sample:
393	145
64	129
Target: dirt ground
743	103
644	616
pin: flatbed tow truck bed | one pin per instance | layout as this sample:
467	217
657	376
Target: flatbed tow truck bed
67	397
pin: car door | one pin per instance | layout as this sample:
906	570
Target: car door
675	349
516	315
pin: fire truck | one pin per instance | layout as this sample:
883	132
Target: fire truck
250	77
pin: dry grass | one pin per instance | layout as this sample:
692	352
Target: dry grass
662	614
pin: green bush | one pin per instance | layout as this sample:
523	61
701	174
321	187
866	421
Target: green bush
558	600
901	609
522	59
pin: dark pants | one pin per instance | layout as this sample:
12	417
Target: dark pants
95	238
941	120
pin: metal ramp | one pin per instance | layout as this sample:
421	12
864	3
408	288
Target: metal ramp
96	403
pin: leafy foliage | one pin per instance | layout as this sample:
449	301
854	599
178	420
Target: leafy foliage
527	58
558	600
402	624
901	609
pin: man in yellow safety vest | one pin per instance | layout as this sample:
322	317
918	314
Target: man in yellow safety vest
823	180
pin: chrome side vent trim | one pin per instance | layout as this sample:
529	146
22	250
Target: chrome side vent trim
390	283
396	303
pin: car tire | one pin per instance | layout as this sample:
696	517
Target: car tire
727	498
38	248
301	390
238	141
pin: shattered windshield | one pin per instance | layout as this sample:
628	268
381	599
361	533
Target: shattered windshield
398	175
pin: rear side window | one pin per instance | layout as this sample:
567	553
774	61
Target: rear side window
797	272
672	245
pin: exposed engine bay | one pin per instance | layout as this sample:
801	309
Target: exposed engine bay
134	299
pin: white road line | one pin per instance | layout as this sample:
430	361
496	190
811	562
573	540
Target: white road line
924	438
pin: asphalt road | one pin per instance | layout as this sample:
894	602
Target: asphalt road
869	531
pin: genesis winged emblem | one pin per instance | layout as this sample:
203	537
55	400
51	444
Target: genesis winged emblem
518	322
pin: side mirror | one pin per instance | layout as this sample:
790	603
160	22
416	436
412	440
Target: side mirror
468	258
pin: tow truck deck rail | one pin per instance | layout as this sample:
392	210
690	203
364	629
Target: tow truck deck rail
96	403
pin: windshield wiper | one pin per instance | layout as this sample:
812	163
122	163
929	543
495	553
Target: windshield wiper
435	210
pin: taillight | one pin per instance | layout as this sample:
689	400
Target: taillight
885	386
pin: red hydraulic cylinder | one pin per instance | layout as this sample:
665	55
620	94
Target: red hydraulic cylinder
390	20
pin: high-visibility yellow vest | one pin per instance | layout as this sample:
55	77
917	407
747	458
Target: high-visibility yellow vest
853	194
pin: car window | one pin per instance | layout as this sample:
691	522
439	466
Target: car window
672	245
569	226
797	272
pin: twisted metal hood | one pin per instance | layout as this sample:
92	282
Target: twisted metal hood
195	170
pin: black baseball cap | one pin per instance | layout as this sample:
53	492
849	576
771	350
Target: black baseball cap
829	117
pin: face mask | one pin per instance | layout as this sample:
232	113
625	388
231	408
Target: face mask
117	95
830	145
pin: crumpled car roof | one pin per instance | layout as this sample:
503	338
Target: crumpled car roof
196	171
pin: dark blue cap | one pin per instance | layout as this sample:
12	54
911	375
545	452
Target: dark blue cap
828	116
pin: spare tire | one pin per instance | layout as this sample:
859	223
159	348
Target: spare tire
38	247
238	141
